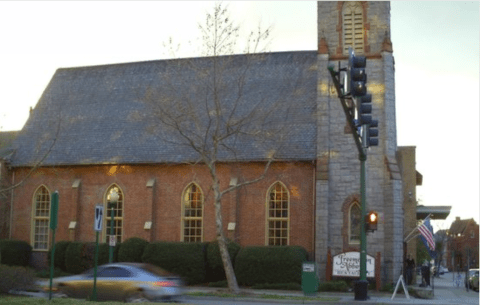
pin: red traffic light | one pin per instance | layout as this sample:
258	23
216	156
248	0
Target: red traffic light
371	221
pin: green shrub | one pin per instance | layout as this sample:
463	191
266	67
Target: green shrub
219	284
104	252
278	286
88	255
389	287
131	250
15	252
59	259
184	259
80	256
73	258
15	277
45	273
269	264
215	270
340	286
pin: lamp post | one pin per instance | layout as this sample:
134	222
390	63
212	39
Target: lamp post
112	202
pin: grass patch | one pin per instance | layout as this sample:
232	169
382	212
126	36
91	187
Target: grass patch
17	300
262	296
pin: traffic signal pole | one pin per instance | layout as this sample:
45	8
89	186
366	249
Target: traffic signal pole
361	286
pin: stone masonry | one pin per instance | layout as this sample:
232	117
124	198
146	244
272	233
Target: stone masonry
338	169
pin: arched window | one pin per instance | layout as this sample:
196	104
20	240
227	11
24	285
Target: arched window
354	223
41	219
117	214
278	215
192	214
353	28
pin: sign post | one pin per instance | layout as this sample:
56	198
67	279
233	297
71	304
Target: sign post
53	227
97	226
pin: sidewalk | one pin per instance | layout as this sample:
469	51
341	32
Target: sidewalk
444	293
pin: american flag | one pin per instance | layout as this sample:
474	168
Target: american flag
427	233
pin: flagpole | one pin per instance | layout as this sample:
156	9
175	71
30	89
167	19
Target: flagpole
413	236
416	228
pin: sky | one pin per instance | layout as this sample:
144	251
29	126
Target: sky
435	43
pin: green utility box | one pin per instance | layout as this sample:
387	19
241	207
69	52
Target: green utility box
309	278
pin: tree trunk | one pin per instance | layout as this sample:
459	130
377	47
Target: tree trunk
222	243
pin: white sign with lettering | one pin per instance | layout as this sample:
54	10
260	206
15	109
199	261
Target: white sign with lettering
112	241
347	264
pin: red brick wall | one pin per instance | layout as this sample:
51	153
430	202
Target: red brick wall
245	207
463	244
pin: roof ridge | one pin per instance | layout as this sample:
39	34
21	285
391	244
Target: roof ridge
180	59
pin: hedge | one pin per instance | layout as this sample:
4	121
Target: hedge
185	259
215	270
15	277
59	259
269	265
73	258
104	253
341	286
15	252
80	256
131	250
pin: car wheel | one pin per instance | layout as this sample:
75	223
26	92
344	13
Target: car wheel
136	297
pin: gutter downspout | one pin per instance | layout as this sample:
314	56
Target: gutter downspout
314	191
11	207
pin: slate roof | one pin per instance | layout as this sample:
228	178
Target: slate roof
102	117
6	138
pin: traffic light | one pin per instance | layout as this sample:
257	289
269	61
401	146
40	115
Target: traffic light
356	74
364	109
371	221
372	133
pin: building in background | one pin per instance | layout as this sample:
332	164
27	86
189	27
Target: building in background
462	245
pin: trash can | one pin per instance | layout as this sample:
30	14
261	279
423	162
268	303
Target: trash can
309	278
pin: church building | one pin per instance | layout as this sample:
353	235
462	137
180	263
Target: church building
93	132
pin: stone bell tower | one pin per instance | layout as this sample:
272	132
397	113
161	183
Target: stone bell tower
364	26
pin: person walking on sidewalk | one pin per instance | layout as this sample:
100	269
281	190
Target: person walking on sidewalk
410	266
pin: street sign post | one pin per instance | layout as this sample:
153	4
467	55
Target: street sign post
97	226
98	222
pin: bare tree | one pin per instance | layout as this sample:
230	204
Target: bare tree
6	186
210	107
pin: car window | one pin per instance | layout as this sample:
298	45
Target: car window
89	272
114	272
156	270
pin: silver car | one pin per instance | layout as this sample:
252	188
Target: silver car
129	282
